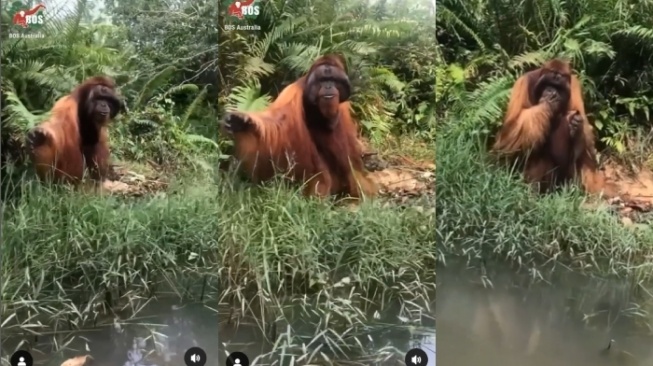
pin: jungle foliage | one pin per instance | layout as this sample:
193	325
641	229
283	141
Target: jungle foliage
484	45
179	69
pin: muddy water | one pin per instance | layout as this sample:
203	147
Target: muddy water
501	317
158	335
163	330
377	336
384	345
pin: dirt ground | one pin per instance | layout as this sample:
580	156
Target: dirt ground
400	179
403	179
632	185
635	201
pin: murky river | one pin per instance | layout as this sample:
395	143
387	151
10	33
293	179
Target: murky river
163	330
383	344
499	316
158	335
375	335
496	316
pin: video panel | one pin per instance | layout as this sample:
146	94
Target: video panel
110	240
543	179
320	101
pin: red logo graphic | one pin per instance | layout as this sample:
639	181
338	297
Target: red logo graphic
20	18
236	8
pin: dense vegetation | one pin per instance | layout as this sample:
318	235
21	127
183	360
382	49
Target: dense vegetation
482	46
262	248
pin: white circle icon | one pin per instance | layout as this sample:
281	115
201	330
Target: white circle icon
237	361
21	361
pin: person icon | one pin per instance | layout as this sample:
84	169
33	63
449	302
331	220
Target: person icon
21	358
237	359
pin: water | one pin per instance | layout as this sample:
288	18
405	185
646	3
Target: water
386	346
162	330
377	336
508	319
158	335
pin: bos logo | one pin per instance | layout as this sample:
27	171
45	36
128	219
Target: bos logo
243	9
27	18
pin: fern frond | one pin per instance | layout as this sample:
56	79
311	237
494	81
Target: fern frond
248	98
191	108
485	105
157	81
17	115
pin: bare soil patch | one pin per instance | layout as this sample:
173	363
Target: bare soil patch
635	202
134	181
633	185
400	178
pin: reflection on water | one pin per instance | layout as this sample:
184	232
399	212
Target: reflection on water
505	319
158	335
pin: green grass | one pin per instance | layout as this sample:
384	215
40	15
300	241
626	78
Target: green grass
261	248
482	211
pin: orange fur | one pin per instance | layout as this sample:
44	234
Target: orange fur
285	137
70	143
534	132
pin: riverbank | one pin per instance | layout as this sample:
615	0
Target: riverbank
484	212
206	233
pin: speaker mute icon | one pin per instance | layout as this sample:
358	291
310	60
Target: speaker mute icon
195	356
416	357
